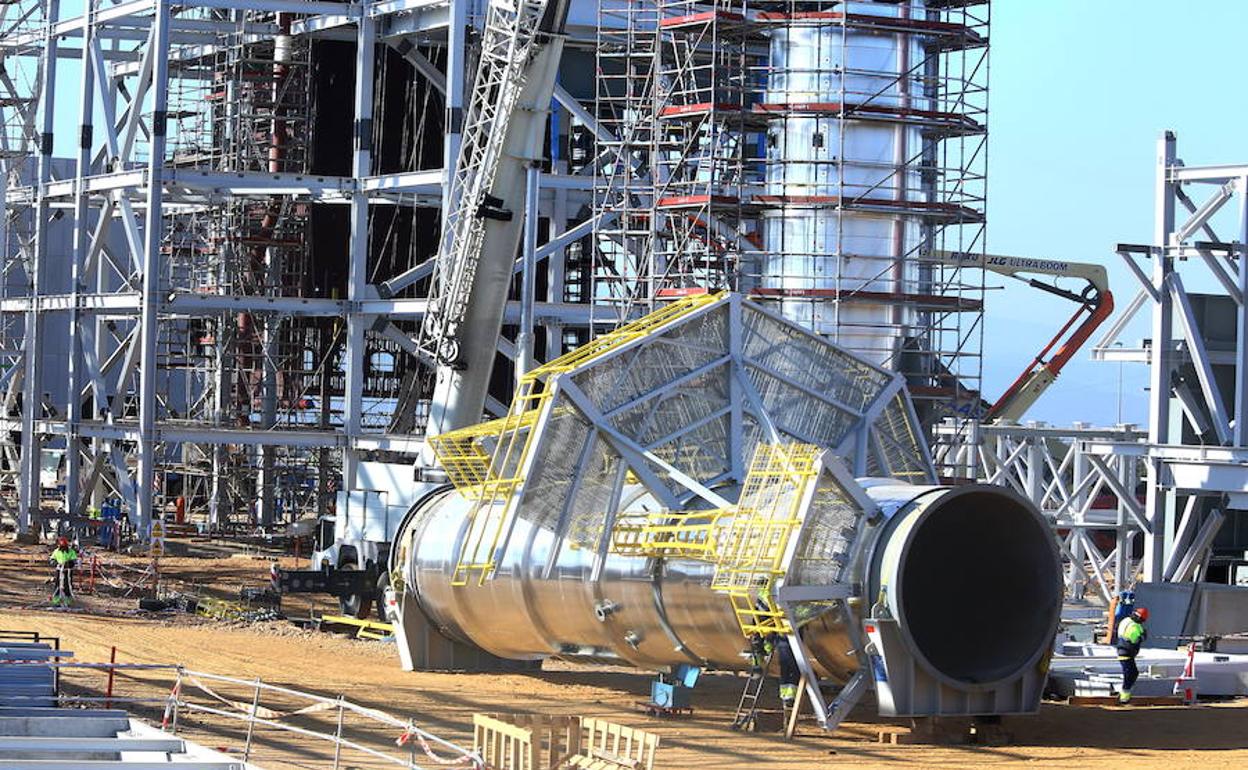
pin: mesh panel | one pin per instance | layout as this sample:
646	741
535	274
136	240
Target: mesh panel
588	512
703	453
811	363
899	444
553	472
662	360
653	421
823	550
799	415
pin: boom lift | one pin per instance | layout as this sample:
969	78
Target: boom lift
1095	303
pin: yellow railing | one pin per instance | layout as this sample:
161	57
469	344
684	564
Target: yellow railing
753	544
747	543
494	498
466	456
629	332
667	535
493	484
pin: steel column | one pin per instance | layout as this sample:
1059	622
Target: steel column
82	235
357	287
153	232
1159	502
1239	406
32	391
456	73
528	275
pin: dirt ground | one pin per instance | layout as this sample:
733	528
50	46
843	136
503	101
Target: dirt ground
367	673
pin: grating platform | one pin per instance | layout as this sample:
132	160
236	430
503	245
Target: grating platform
37	735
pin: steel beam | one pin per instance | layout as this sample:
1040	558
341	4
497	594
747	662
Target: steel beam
153	234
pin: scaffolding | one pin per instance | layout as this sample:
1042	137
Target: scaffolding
239	246
815	155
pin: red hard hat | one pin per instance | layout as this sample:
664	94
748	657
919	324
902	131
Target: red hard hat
63	542
1141	613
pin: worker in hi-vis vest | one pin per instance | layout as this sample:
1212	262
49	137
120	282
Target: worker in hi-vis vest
63	558
1131	634
761	649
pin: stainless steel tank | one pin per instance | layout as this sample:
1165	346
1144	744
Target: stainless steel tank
971	574
841	185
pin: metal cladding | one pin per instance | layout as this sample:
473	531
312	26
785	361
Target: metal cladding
661	426
818	158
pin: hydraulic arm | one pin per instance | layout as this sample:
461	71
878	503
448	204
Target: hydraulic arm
1094	304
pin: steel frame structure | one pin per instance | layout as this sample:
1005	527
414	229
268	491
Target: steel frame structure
1081	490
1197	440
675	402
129	192
1172	484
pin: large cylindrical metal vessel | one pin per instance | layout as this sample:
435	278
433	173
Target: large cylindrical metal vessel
971	573
841	170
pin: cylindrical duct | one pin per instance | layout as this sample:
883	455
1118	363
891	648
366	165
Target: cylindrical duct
842	174
971	573
973	576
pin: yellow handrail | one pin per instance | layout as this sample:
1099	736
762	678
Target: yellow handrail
492	478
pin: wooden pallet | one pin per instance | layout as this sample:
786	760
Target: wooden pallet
655	710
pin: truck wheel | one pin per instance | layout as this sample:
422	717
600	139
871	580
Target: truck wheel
379	599
353	605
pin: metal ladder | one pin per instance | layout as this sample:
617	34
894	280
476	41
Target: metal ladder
750	695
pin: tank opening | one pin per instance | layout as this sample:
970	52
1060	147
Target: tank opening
980	587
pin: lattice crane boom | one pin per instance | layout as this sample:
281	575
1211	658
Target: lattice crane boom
503	135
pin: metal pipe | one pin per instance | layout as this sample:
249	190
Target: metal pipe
528	277
977	558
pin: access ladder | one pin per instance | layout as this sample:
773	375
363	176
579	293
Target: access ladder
750	695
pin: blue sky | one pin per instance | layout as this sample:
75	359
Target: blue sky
1080	92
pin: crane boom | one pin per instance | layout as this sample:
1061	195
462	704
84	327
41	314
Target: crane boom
503	135
1096	301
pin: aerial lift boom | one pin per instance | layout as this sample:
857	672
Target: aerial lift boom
1095	303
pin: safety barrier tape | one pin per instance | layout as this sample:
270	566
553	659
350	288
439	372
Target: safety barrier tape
260	711
407	736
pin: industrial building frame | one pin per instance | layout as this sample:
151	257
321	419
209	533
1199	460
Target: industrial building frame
129	54
131	57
